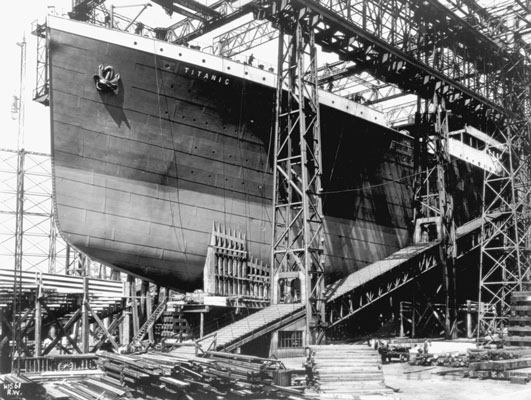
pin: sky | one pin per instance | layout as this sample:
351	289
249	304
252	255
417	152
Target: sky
16	26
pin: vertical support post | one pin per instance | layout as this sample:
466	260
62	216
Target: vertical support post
19	229
433	199
201	324
149	310
85	336
469	319
446	211
126	324
38	321
297	244
402	332
52	251
17	280
134	305
67	261
413	318
144	291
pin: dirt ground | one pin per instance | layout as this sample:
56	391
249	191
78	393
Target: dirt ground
413	382
423	383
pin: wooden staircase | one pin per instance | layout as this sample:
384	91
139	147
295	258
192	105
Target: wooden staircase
150	321
350	372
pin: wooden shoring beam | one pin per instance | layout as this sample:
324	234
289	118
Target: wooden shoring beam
112	326
102	327
85	325
28	316
38	322
63	330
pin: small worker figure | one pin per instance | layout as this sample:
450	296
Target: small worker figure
288	298
426	346
424	235
139	28
46	342
251	59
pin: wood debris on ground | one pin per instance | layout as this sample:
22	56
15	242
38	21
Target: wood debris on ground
156	375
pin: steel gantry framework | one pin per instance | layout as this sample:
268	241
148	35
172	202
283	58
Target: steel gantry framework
505	256
458	58
427	48
297	246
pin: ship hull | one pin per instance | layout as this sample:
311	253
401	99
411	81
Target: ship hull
142	175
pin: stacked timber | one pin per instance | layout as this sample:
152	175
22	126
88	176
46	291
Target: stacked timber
453	360
162	375
499	369
349	372
519	329
101	388
497	364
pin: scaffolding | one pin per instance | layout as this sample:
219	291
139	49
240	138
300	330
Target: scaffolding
40	246
457	58
297	245
454	57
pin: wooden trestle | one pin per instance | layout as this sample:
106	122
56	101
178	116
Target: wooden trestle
231	271
62	302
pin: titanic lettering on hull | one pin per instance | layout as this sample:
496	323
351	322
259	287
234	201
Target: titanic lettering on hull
206	75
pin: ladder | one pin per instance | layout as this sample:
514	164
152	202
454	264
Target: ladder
150	321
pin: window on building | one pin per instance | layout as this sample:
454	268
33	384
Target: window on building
290	339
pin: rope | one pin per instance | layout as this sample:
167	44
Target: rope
381	184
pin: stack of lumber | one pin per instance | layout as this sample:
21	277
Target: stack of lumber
500	369
519	329
159	375
454	360
471	357
101	388
498	364
348	372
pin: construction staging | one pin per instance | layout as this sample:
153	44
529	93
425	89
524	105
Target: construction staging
330	199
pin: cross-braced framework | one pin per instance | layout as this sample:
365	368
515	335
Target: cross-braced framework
26	210
505	256
297	223
433	199
29	231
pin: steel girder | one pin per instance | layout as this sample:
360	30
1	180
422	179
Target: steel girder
433	194
202	22
243	38
297	245
505	256
422	47
349	302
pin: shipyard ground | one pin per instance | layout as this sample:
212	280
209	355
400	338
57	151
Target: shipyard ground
414	382
426	383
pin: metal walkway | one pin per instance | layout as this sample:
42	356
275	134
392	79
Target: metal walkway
243	331
360	289
347	296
